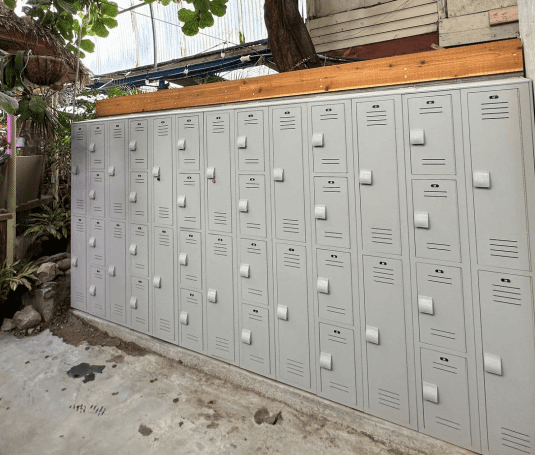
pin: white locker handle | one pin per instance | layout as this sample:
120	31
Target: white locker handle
132	146
92	290
111	171
132	197
184	318
181	201
322	285
282	312
92	147
425	304
111	270
74	261
157	281
481	179
243	205
92	242
372	334
492	363
92	194
246	336
181	144
430	392
365	177
183	258
210	172
133	303
133	249
326	361
242	142
317	140
156	171
74	170
320	212
417	137
212	295
278	174
421	220
245	270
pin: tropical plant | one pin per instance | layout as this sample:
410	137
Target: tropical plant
15	275
54	221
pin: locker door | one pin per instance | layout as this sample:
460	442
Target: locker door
254	350
252	205
445	398
96	242
190	319
431	135
190	260
509	359
96	304
329	142
189	143
440	306
117	171
333	285
219	182
220	296
78	263
139	304
436	219
97	194
138	250
189	201
497	159
288	174
337	364
386	348
163	285
138	197
331	210
162	172
97	145
378	176
116	271
254	271
292	315
138	144
251	142
78	169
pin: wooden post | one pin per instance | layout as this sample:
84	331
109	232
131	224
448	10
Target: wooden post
11	189
4	217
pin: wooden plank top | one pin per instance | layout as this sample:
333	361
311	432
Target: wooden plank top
5	216
499	57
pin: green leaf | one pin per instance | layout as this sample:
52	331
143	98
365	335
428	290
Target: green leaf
110	9
109	22
5	106
218	7
11	3
37	105
100	29
19	61
67	6
165	2
186	15
87	45
205	19
190	28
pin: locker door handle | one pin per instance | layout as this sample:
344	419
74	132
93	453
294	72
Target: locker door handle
92	242
481	179
210	172
245	270
184	318
133	249
417	137
372	334
132	197
74	261
242	142
181	144
492	363
282	312
111	171
365	177
92	147
212	295
92	194
157	281
183	259
92	290
111	270
278	174
326	361
246	336
421	220
320	212
243	205
425	305
430	392
181	201
156	171
322	285
132	146
74	170
317	140
133	303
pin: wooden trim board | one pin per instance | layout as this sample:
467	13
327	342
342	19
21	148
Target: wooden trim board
498	57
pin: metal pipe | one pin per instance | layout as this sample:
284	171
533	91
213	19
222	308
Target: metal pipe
153	37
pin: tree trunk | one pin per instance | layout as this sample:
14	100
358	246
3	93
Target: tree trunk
289	40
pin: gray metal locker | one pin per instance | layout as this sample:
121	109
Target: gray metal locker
496	146
139	304
328	140
334	286
116	271
331	211
78	263
436	220
189	142
431	134
506	303
97	145
138	197
162	171
250	140
138	250
254	271
189	201
116	170
190	319
78	169
138	144
337	364
97	194
440	305
293	348
252	205
96	301
254	337
218	175
190	259
446	408
386	345
378	176
97	250
288	173
163	302
220	297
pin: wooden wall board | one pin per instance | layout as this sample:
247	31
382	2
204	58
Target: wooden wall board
503	16
464	7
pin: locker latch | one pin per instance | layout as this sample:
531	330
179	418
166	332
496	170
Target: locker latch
320	212
242	142
133	303
157	281
243	205
156	171
92	242
181	144
181	201
322	285
132	146
481	179
92	147
417	137
212	295
246	336
133	249
111	270
210	172
365	177
245	270
74	170
492	363
132	197
278	174
92	290
430	392
111	171
421	220
425	304
317	140
74	261
282	312
326	361
372	334
184	318
183	258
92	194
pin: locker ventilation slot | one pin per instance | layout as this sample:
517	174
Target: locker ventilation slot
192	300
339	387
139	213
118	310
79	227
80	298
118	208
389	399
331	189
191	241
251	121
139	128
334	263
252	161
334	235
190	125
139	320
117	133
139	161
190	219
329	161
139	286
290	226
165	325
218	126
256	359
98	227
382	235
384	275
287	123
193	338
190	160
191	278
438	246
294	367
439	279
435	193
222	344
448	423
510	295
292	260
97	132
79	204
221	249
252	185
254	226
254	250
515	440
257	293
79	136
444	367
431	110
255	317
434	162
220	218
503	248
117	232
337	339
164	213
376	118
495	111
329	116
164	239
443	334
139	180
163	130
189	180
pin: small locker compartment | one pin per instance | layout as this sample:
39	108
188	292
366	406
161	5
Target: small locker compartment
220	297
96	304
162	172
254	335
292	329
189	142
189	201
496	148
97	194
78	263
138	250
337	365
378	176
116	271
78	169
436	220
506	303
252	205
97	145
288	180
329	141
190	260
250	141
440	302
331	211
190	319
163	301
138	197
446	409
334	286
432	135
96	242
116	170
386	344
254	271
139	304
138	144
218	172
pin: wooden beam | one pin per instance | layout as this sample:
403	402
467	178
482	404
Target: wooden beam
499	57
503	16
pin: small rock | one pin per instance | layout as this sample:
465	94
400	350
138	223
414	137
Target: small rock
44	300
30	331
8	325
64	264
263	416
68	272
26	318
59	257
47	271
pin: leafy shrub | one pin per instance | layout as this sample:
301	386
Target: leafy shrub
15	275
54	221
